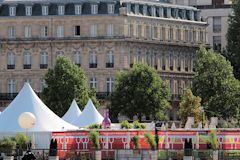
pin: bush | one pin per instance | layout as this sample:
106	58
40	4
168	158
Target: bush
137	125
125	124
94	138
7	145
95	126
22	140
151	140
135	141
53	148
213	139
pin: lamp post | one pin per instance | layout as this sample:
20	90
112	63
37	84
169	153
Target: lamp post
156	135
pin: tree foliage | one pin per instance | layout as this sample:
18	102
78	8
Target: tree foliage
233	39
190	107
139	91
214	82
65	82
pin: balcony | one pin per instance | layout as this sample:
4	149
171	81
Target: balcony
27	66
7	96
43	66
11	66
109	65
92	65
78	64
103	95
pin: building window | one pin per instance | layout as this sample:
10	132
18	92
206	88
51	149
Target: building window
145	10
59	53
77	58
130	58
44	31
163	62
217	24
43	60
44	10
27	80
27	31
92	59
130	30
77	31
148	32
78	9
60	31
171	61
110	60
12	11
93	83
110	8
138	30
136	9
178	34
110	30
42	84
28	10
153	10
93	30
139	59
186	35
217	2
10	60
110	84
11	86
217	45
170	33
179	62
11	32
94	8
61	9
155	32
26	60
186	63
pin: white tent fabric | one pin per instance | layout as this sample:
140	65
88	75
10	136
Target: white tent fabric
73	113
89	116
28	101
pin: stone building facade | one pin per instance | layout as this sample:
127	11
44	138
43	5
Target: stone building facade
102	37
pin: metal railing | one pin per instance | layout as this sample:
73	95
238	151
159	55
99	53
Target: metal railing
124	154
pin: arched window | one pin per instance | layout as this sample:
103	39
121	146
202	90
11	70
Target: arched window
11	60
92	59
43	60
77	58
26	60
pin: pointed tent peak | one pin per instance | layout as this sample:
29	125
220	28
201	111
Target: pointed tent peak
90	105
73	112
89	115
28	101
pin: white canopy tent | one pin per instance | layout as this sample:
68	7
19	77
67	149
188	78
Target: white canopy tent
73	113
89	116
28	101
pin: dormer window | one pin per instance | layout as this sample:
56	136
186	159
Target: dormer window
110	8
153	10
136	9
12	11
28	10
44	10
144	10
61	9
78	9
94	8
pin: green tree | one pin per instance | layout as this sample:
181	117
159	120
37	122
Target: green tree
139	91
214	82
233	39
190	107
65	82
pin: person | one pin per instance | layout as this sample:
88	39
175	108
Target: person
29	156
